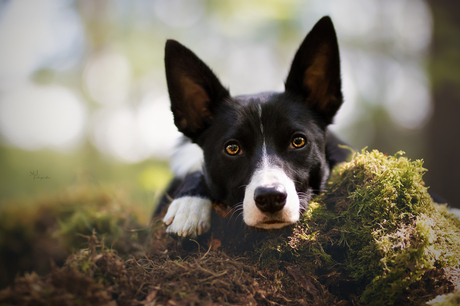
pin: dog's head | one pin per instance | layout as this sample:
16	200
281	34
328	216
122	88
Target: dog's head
263	153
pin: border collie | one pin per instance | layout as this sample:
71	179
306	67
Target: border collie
263	155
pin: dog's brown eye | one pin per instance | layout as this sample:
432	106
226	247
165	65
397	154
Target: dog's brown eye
232	149
298	142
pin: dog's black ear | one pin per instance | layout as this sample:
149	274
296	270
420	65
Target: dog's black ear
193	88
315	70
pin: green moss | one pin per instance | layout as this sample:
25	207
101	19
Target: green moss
51	227
112	222
98	262
395	234
69	215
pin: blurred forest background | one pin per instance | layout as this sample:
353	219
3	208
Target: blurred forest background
83	97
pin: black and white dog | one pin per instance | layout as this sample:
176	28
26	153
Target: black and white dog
264	155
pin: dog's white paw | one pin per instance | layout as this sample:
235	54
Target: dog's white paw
188	216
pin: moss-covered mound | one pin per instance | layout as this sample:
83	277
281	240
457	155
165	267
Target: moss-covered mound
378	225
375	237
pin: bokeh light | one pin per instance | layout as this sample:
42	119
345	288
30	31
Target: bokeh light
34	117
107	78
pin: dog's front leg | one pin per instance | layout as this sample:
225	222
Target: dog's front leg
189	214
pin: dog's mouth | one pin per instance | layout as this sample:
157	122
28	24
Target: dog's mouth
272	224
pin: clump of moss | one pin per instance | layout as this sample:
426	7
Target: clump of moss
95	275
394	232
108	219
73	284
52	227
377	223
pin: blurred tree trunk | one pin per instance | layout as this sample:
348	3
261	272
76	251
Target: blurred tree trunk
443	139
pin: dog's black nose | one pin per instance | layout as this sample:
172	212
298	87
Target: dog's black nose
270	199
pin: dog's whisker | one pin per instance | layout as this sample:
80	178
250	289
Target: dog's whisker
243	186
238	209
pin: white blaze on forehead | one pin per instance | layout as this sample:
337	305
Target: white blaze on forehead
264	145
260	119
